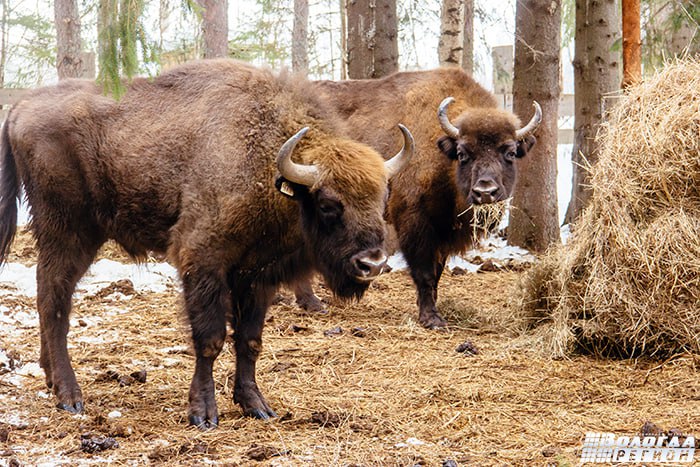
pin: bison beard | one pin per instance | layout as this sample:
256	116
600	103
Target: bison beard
186	163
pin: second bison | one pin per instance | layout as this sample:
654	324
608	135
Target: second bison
457	165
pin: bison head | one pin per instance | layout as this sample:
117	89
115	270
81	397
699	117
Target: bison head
342	197
485	143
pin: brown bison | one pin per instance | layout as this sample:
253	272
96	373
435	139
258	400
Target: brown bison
196	163
455	166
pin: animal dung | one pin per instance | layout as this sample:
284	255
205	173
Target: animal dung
93	444
628	281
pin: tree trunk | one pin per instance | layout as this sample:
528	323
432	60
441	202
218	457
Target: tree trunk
373	49
468	37
4	28
631	43
533	221
596	73
681	28
300	46
68	59
343	40
215	27
449	46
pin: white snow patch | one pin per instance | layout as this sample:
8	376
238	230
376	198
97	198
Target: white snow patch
114	414
151	277
415	442
410	442
492	248
20	278
176	349
4	360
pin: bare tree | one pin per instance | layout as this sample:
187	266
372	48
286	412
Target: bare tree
468	36
4	31
449	46
596	73
372	42
533	221
300	45
343	40
631	43
215	27
68	60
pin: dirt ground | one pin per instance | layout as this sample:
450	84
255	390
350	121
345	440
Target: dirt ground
379	391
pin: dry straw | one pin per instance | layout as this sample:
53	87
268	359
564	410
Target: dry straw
628	282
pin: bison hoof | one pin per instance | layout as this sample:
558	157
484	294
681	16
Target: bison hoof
311	304
74	408
433	321
202	423
261	414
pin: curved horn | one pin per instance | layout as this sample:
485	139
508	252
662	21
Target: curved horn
532	125
396	163
296	173
445	123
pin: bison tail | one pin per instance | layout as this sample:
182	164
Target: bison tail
9	192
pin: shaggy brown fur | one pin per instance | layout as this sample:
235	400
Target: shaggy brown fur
428	195
185	163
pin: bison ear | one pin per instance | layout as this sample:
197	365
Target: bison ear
524	145
289	189
448	146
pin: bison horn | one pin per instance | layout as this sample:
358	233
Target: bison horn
532	125
396	163
296	173
445	123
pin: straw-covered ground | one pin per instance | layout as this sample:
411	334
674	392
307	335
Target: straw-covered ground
381	391
628	283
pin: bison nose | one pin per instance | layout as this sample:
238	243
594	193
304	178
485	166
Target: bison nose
368	264
485	191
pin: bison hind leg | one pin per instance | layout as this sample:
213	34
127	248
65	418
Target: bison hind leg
63	259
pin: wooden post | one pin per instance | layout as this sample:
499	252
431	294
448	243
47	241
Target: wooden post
631	43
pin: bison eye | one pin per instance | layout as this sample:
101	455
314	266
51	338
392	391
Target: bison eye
330	210
510	156
463	156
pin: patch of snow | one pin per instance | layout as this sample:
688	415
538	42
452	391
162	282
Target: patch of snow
114	414
176	349
20	278
397	262
415	442
565	233
4	359
499	251
460	262
20	318
170	362
152	277
14	419
101	338
30	369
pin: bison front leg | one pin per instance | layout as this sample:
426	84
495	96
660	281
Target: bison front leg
206	300
248	321
306	298
426	276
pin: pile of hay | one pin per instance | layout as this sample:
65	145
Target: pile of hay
628	282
